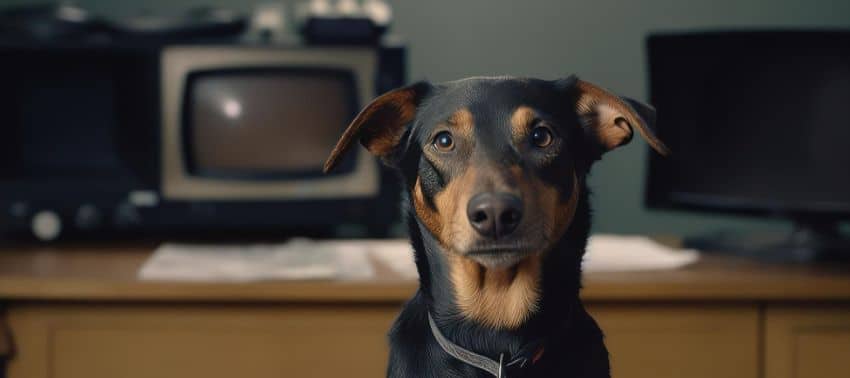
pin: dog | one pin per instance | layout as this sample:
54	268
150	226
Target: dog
494	171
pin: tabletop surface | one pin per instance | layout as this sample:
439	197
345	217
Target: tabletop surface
109	273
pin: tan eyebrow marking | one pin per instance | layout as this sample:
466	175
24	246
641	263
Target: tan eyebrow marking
522	117
462	121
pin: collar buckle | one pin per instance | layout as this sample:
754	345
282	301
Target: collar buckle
521	361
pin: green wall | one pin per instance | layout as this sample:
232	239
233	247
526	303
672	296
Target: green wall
600	40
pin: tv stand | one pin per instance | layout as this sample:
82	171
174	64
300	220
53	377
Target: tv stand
809	241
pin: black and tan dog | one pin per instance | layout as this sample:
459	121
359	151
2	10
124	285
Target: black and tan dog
495	174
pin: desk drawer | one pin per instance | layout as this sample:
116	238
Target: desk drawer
141	341
675	341
807	342
123	341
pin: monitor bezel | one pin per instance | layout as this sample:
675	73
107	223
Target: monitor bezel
346	165
177	184
659	193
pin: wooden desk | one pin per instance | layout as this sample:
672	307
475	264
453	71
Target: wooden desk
81	313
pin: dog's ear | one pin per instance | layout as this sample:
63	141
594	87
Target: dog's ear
381	124
611	119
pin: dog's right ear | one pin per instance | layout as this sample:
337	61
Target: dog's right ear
381	124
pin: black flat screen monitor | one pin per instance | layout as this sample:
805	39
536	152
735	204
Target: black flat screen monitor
757	122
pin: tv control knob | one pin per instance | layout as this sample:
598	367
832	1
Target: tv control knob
46	225
126	215
88	217
19	209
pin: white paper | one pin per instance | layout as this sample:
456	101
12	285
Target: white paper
397	255
298	259
303	259
615	253
605	253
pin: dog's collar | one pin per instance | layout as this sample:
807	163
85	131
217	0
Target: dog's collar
527	356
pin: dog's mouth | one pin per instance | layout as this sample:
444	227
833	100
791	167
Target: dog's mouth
500	256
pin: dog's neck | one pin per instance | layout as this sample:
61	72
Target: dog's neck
559	285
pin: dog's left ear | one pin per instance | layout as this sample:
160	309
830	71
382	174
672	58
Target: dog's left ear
611	119
381	124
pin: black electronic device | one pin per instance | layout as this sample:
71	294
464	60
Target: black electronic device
757	124
143	137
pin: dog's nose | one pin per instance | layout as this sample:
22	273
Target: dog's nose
494	215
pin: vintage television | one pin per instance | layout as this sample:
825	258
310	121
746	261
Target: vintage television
103	138
757	124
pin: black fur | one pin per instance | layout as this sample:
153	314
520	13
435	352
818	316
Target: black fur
573	343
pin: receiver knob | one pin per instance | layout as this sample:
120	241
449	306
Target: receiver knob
88	217
46	225
126	215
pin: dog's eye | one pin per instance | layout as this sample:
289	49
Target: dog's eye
443	141
541	136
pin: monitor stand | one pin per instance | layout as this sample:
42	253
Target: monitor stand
810	241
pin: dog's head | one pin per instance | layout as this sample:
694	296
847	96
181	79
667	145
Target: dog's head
495	166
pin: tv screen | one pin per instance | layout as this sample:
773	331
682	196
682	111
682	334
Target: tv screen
755	121
265	123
